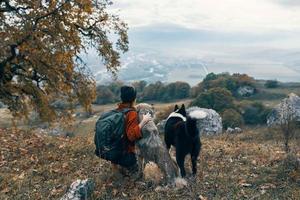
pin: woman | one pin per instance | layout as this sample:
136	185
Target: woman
132	128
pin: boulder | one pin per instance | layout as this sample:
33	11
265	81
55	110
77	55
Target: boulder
2	105
234	130
211	124
287	109
80	189
230	130
238	130
246	91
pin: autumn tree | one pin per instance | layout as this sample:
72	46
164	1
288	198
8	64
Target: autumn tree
41	46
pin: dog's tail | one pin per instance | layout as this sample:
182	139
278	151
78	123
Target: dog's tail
198	114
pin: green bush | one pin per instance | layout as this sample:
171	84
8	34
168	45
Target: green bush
255	113
224	80
218	99
271	84
232	118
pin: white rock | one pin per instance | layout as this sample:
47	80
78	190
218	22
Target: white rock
288	108
80	189
245	91
211	124
230	130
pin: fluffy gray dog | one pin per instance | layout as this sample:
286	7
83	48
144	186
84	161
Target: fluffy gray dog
152	148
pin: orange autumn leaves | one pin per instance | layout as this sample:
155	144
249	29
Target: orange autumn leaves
41	47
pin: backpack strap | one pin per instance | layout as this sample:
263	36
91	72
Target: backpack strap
126	110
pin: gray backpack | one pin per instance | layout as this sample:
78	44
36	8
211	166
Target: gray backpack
110	128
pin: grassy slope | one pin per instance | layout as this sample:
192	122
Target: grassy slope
249	165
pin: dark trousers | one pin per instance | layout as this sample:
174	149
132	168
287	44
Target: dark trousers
125	159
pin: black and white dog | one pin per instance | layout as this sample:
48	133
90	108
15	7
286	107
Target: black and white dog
182	132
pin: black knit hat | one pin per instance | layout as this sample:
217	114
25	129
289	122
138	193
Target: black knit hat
128	94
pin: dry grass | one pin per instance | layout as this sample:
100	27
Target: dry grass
251	165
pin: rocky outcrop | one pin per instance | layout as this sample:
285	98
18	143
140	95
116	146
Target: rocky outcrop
80	189
287	109
245	91
211	124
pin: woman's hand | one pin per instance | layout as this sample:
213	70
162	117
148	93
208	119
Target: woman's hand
146	118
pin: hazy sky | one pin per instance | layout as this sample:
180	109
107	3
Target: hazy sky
255	16
259	37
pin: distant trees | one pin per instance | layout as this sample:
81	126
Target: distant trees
139	86
177	90
157	91
272	84
153	91
104	95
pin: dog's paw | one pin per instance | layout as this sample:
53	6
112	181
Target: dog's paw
180	183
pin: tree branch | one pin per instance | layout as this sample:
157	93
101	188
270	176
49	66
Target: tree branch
10	8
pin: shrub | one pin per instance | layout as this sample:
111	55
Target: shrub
224	80
272	84
104	95
232	118
218	99
255	113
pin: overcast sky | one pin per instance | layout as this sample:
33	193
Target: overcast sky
236	33
255	16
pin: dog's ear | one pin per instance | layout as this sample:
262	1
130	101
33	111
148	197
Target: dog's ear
182	110
176	107
183	106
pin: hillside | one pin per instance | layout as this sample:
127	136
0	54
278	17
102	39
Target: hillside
251	165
